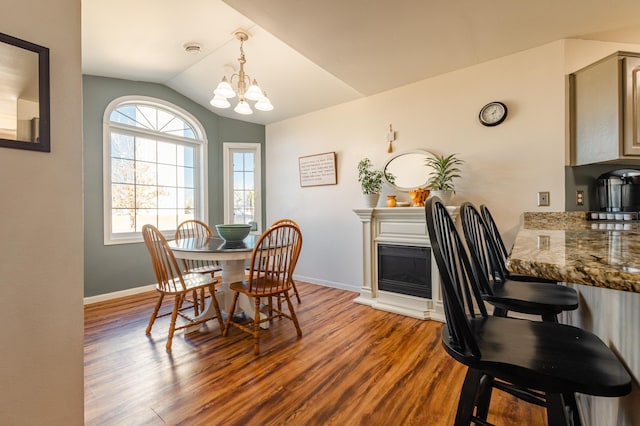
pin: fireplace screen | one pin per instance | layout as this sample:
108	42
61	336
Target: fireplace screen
405	270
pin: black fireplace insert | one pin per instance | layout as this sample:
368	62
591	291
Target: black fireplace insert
405	270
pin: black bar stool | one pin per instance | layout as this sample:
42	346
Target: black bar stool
543	363
537	298
503	253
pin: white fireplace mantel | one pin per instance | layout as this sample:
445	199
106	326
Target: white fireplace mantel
403	226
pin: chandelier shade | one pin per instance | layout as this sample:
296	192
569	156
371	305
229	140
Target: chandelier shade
246	89
224	89
254	93
264	104
220	102
243	108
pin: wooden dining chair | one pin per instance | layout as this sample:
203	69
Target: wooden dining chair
171	281
502	251
543	363
536	298
294	223
271	267
197	229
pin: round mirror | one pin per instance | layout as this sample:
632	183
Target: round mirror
409	170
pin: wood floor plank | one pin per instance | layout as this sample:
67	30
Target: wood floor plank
354	365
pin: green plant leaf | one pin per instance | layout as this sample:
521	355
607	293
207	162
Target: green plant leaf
371	180
444	171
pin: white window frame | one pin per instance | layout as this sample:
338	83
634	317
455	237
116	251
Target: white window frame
201	193
227	149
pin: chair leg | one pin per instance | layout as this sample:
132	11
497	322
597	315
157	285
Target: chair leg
294	318
295	290
230	314
467	401
570	402
484	397
270	308
556	415
196	305
216	306
202	299
256	327
154	315
174	317
550	318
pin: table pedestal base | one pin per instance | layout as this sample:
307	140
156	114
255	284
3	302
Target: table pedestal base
232	271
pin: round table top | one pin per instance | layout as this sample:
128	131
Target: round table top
213	245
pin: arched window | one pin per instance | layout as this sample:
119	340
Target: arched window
154	168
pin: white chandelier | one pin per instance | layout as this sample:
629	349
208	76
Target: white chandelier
247	89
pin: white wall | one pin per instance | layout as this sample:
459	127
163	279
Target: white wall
41	368
505	165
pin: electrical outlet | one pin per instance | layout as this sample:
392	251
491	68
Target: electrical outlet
543	198
579	198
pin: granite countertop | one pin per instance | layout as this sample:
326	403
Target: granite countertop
566	247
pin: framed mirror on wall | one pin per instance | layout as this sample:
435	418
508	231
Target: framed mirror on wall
409	170
24	95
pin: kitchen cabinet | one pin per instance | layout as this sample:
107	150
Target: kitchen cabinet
605	111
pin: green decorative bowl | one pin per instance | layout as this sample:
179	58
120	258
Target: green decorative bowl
233	232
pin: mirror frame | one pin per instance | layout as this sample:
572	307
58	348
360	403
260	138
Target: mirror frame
44	143
413	151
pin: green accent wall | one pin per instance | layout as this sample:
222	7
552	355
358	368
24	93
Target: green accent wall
124	266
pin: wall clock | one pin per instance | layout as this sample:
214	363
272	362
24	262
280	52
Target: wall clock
493	113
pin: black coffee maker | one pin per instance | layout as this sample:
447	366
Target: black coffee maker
619	191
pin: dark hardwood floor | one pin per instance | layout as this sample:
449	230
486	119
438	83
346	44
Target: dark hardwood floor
354	365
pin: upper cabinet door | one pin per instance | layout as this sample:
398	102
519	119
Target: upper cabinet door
605	111
596	108
631	106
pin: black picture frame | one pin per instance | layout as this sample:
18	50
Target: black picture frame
43	140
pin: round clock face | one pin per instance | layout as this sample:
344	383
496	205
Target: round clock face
493	113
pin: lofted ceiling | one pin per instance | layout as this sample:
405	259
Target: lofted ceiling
310	55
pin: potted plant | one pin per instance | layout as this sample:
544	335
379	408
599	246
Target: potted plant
445	170
371	181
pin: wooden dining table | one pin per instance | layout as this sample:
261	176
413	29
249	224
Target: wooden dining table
232	257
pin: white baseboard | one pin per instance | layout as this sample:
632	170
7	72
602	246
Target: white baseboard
118	294
326	283
151	287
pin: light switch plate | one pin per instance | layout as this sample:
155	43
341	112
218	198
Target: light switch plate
543	198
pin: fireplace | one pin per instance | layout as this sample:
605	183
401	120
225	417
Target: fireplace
399	273
404	270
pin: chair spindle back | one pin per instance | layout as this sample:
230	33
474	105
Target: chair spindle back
274	259
482	249
164	262
461	294
503	253
193	228
286	221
